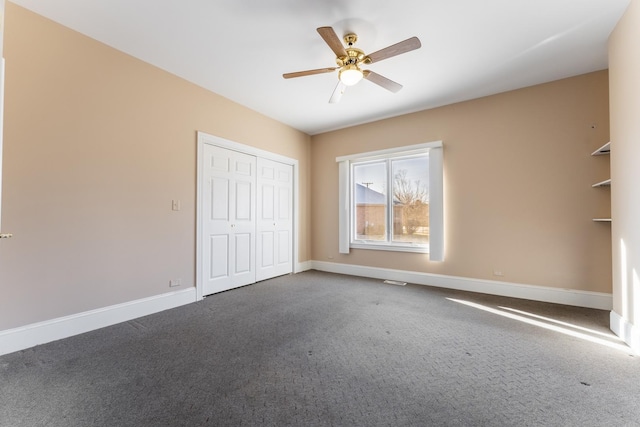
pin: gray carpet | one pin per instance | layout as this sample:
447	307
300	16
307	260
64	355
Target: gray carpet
319	349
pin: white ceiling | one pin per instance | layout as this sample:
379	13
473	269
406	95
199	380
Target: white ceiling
240	48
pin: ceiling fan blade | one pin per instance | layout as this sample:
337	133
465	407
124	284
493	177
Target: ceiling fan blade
337	93
331	38
309	72
382	81
404	46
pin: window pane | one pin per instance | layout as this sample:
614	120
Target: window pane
370	197
411	199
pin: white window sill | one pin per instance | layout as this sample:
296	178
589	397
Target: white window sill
421	249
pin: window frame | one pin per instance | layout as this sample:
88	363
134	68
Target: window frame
347	241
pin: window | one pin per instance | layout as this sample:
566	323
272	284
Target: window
392	200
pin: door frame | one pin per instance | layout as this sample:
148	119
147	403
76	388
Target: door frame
205	138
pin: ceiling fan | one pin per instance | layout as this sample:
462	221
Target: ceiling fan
349	60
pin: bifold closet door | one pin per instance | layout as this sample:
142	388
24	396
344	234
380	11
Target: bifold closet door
274	238
229	219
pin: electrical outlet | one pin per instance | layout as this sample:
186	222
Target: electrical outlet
175	205
174	283
498	273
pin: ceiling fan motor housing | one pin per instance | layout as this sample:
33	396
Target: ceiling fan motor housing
354	56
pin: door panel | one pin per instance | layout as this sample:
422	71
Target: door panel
267	212
243	253
274	224
220	163
284	247
220	263
220	193
266	242
229	223
284	207
245	167
244	203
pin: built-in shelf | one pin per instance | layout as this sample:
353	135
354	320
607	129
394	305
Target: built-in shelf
605	183
605	149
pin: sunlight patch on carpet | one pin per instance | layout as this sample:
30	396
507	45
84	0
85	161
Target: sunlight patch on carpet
587	335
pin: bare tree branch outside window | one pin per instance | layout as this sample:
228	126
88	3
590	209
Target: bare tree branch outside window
413	201
407	192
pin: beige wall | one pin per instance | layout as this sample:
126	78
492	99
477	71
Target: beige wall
518	175
624	81
96	146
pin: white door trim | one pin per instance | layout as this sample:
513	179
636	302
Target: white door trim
205	138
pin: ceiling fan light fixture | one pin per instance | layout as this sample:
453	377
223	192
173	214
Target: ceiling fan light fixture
350	74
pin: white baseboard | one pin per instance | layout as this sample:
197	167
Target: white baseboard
304	266
599	300
627	331
51	330
23	337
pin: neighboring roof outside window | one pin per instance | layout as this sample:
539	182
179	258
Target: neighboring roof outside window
367	196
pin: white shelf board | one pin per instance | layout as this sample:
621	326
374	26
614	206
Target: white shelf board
605	183
605	149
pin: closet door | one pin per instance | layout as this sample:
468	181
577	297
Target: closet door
229	219
274	246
